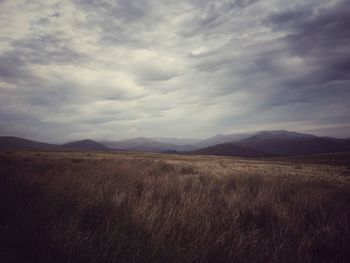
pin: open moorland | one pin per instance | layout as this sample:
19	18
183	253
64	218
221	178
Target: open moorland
72	206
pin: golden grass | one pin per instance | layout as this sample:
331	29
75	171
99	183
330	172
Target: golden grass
117	207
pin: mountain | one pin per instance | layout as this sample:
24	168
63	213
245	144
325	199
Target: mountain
139	144
169	144
230	149
143	144
221	138
281	134
258	144
177	141
283	143
10	142
85	145
162	144
274	143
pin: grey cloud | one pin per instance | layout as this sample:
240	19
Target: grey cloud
47	49
211	16
15	64
156	72
11	67
321	39
109	69
127	10
322	36
117	19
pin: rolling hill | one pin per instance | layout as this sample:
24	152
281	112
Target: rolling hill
14	143
221	138
143	144
278	143
85	145
177	141
10	142
229	149
259	144
165	144
296	146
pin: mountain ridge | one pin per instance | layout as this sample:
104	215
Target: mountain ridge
258	144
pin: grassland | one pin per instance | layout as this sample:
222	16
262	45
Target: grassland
130	207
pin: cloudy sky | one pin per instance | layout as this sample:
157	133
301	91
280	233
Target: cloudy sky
110	69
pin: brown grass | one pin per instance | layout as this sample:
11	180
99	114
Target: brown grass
96	207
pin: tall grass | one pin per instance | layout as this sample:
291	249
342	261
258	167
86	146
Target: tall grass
110	210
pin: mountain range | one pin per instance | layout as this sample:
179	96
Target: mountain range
258	144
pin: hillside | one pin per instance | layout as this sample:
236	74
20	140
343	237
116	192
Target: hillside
281	134
177	141
10	142
259	144
221	138
85	145
276	143
143	144
296	146
229	149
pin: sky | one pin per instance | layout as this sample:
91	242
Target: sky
115	69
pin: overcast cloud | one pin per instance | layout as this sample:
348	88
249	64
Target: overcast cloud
108	69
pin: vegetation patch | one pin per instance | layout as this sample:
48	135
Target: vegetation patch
124	209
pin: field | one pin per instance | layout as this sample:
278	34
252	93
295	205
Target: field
132	207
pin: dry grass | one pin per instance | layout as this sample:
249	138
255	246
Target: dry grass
97	207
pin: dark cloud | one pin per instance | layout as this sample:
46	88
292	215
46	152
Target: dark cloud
321	36
117	20
211	16
11	67
15	64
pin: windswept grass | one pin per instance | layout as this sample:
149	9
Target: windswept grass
56	207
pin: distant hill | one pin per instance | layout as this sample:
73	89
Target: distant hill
166	144
145	145
85	145
276	143
221	138
258	144
281	134
288	143
10	142
177	141
229	149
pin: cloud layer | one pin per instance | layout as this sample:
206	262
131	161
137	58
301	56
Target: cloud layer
116	69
